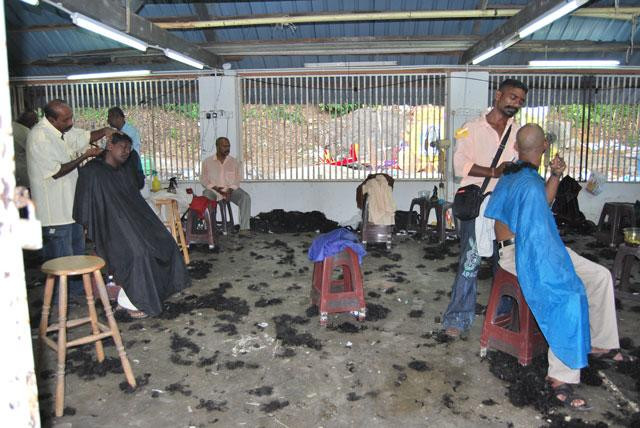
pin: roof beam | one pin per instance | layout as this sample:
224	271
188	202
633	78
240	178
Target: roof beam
341	46
116	16
195	22
508	31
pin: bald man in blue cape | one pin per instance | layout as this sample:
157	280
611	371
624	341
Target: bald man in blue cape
570	297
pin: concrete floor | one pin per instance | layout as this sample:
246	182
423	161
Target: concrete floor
203	364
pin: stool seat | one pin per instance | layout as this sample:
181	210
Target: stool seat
342	294
72	265
515	332
85	266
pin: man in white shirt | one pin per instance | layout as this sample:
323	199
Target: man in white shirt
21	128
54	151
221	175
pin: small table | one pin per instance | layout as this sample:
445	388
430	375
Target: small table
615	216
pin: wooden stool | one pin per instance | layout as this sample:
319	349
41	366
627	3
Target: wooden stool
171	219
85	266
227	222
516	332
374	233
205	235
625	257
615	216
344	294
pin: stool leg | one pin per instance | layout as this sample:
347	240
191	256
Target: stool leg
128	373
86	281
49	286
62	344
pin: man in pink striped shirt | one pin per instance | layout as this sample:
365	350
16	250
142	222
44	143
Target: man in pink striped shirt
220	177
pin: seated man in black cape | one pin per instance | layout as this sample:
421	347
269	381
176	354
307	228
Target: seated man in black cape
128	235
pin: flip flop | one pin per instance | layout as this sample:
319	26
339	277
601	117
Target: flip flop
609	356
570	397
137	315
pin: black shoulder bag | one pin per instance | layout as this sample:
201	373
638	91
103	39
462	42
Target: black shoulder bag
467	201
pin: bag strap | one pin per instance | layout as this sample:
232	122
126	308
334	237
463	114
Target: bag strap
494	162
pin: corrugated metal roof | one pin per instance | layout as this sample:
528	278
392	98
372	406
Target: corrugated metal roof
29	50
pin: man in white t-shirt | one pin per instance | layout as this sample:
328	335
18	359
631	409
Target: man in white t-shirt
54	151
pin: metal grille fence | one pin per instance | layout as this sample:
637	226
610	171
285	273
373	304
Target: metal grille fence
342	127
595	120
165	111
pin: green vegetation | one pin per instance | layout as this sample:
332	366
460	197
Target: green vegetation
291	114
337	110
191	111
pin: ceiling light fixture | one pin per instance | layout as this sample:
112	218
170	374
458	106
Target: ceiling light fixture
488	54
104	30
554	14
183	59
32	2
107	75
574	63
350	64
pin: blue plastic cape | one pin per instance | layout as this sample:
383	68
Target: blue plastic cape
331	243
546	275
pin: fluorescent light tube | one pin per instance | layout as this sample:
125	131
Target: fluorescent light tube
574	63
107	75
547	19
350	64
488	54
183	58
105	30
32	2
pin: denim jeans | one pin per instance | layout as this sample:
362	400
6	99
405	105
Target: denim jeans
61	241
462	309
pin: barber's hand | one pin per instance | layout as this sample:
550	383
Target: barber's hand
500	169
228	193
557	165
108	132
93	151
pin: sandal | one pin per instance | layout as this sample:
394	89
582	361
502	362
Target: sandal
609	356
137	315
452	332
570	397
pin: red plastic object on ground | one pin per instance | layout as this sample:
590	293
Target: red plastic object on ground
338	293
515	332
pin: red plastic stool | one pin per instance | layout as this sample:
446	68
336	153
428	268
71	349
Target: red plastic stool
201	230
515	332
344	294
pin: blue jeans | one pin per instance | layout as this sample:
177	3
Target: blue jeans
462	309
61	241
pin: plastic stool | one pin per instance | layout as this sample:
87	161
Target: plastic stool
207	234
516	332
615	216
425	206
225	209
171	219
344	294
85	266
625	257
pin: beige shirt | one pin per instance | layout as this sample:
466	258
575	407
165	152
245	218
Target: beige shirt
46	152
214	173
477	143
20	133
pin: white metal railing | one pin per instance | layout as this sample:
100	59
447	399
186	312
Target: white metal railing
595	119
165	111
342	127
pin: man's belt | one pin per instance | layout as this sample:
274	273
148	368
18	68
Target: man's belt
506	243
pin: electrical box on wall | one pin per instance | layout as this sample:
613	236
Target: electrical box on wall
218	114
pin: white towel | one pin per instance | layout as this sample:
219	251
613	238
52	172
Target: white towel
382	207
485	232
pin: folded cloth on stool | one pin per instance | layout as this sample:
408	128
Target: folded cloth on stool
200	203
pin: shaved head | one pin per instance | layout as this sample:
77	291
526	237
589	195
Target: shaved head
530	138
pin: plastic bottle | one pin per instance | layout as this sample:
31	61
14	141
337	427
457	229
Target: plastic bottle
155	183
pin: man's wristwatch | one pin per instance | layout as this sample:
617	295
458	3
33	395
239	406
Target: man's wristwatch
559	175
